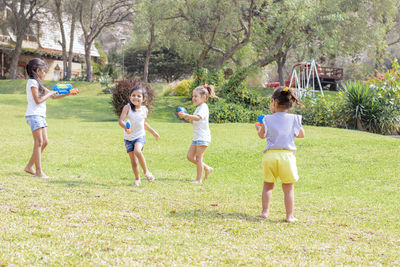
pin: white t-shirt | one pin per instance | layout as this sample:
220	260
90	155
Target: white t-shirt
33	108
137	119
201	129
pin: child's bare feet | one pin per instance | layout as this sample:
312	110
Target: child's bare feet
149	176
291	219
30	171
136	183
207	172
42	175
264	214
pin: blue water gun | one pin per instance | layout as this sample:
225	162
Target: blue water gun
181	109
128	126
64	88
259	122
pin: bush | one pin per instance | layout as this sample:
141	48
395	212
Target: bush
183	88
322	112
120	94
180	89
370	108
222	111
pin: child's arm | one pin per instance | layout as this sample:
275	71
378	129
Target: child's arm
123	116
40	99
301	133
189	117
261	131
151	130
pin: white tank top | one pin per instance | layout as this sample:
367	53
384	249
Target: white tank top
137	119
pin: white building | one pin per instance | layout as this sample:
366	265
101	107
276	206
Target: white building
43	40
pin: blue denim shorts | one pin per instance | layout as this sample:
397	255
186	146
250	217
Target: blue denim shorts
36	122
200	143
130	145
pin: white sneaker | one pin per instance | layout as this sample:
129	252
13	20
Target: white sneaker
149	176
136	183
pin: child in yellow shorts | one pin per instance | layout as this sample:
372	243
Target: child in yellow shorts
280	128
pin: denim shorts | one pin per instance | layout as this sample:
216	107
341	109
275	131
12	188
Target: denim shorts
200	143
130	145
36	122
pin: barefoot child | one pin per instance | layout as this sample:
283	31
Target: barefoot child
35	115
279	159
201	130
134	137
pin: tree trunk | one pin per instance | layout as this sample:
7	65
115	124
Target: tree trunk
15	56
281	64
89	67
63	40
148	54
71	46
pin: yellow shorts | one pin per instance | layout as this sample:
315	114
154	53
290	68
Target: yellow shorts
280	164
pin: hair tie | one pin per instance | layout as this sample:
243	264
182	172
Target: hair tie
205	85
286	89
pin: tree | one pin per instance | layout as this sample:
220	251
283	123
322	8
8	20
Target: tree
69	7
165	64
24	12
147	23
211	29
94	16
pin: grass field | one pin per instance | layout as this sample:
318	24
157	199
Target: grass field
347	197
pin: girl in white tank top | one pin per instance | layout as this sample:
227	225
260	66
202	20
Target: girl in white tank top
134	136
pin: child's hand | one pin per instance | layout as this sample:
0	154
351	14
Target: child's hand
74	91
156	135
181	115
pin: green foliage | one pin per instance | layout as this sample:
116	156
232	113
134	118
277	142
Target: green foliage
238	103
181	89
324	111
368	108
164	63
222	111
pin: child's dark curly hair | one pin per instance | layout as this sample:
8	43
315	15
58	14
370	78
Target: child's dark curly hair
286	97
148	94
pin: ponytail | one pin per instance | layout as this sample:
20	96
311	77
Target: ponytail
286	97
207	90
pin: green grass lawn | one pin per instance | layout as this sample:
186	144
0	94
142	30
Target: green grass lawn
347	197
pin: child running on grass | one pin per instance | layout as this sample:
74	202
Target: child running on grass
134	137
279	159
201	131
35	115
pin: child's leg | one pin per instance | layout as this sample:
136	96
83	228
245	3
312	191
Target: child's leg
195	155
139	155
39	143
288	191
199	161
135	165
266	198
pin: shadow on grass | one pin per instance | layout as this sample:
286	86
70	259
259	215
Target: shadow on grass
172	180
73	183
216	214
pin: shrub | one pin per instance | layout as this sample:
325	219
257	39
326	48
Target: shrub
183	88
120	94
222	111
322	112
369	108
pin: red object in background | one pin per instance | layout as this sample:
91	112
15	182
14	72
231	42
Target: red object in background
272	85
